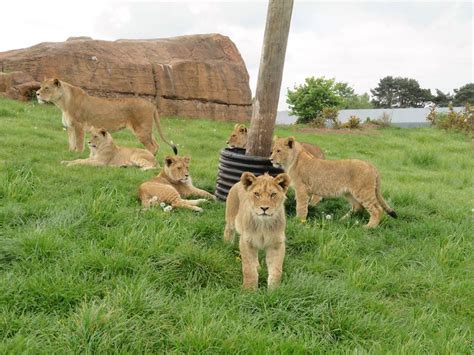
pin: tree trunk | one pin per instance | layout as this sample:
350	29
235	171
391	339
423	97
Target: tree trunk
265	104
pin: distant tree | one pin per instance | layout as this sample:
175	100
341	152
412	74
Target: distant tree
400	92
307	100
463	95
442	99
358	102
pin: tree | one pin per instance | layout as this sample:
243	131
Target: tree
306	101
358	102
441	99
400	92
463	95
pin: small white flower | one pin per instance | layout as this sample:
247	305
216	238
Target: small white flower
472	210
162	205
356	222
328	216
167	208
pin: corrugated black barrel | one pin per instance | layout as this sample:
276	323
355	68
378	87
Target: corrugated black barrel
233	162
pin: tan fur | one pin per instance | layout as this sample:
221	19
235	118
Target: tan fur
81	111
255	208
356	180
104	152
172	185
238	139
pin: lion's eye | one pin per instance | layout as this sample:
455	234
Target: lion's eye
233	135
257	195
273	195
180	168
45	89
278	150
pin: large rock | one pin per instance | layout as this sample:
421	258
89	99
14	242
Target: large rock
191	76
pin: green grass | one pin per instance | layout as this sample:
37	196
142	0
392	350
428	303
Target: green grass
84	270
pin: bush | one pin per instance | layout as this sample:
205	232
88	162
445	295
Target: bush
308	100
383	121
459	121
352	123
327	114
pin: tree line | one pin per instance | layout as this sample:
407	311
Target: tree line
306	101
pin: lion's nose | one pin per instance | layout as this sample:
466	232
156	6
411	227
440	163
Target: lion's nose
37	93
264	209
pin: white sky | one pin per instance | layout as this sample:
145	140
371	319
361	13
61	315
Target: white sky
357	41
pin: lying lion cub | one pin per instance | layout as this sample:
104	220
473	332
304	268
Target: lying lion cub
80	111
171	185
238	139
104	152
356	180
255	208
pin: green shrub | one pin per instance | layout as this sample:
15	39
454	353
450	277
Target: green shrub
352	123
462	121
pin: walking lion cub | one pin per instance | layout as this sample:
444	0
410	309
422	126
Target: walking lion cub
172	185
80	111
104	152
356	180
255	208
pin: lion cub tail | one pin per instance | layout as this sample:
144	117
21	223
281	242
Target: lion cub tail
382	202
156	117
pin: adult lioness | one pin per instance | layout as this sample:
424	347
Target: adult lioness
356	180
81	111
238	139
103	151
171	185
255	208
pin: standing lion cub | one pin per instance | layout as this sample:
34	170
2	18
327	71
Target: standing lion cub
104	152
81	111
356	180
172	186
255	208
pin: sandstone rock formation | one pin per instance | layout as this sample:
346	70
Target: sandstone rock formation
191	76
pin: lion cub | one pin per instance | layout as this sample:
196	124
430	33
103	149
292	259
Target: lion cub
104	152
238	139
356	180
255	208
171	185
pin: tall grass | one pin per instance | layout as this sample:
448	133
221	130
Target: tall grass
84	270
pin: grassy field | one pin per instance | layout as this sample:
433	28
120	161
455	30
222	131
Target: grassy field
84	270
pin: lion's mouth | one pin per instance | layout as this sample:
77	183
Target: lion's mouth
276	165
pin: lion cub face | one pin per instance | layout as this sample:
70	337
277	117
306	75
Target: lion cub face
238	137
283	151
265	193
99	138
50	91
177	168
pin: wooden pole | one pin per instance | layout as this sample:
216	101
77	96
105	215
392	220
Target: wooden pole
265	104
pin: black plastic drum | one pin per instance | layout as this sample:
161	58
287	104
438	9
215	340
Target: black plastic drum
233	162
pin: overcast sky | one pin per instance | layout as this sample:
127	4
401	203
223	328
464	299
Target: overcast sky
357	42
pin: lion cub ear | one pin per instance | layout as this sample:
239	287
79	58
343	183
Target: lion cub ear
290	142
103	132
247	179
56	82
169	160
283	180
187	159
